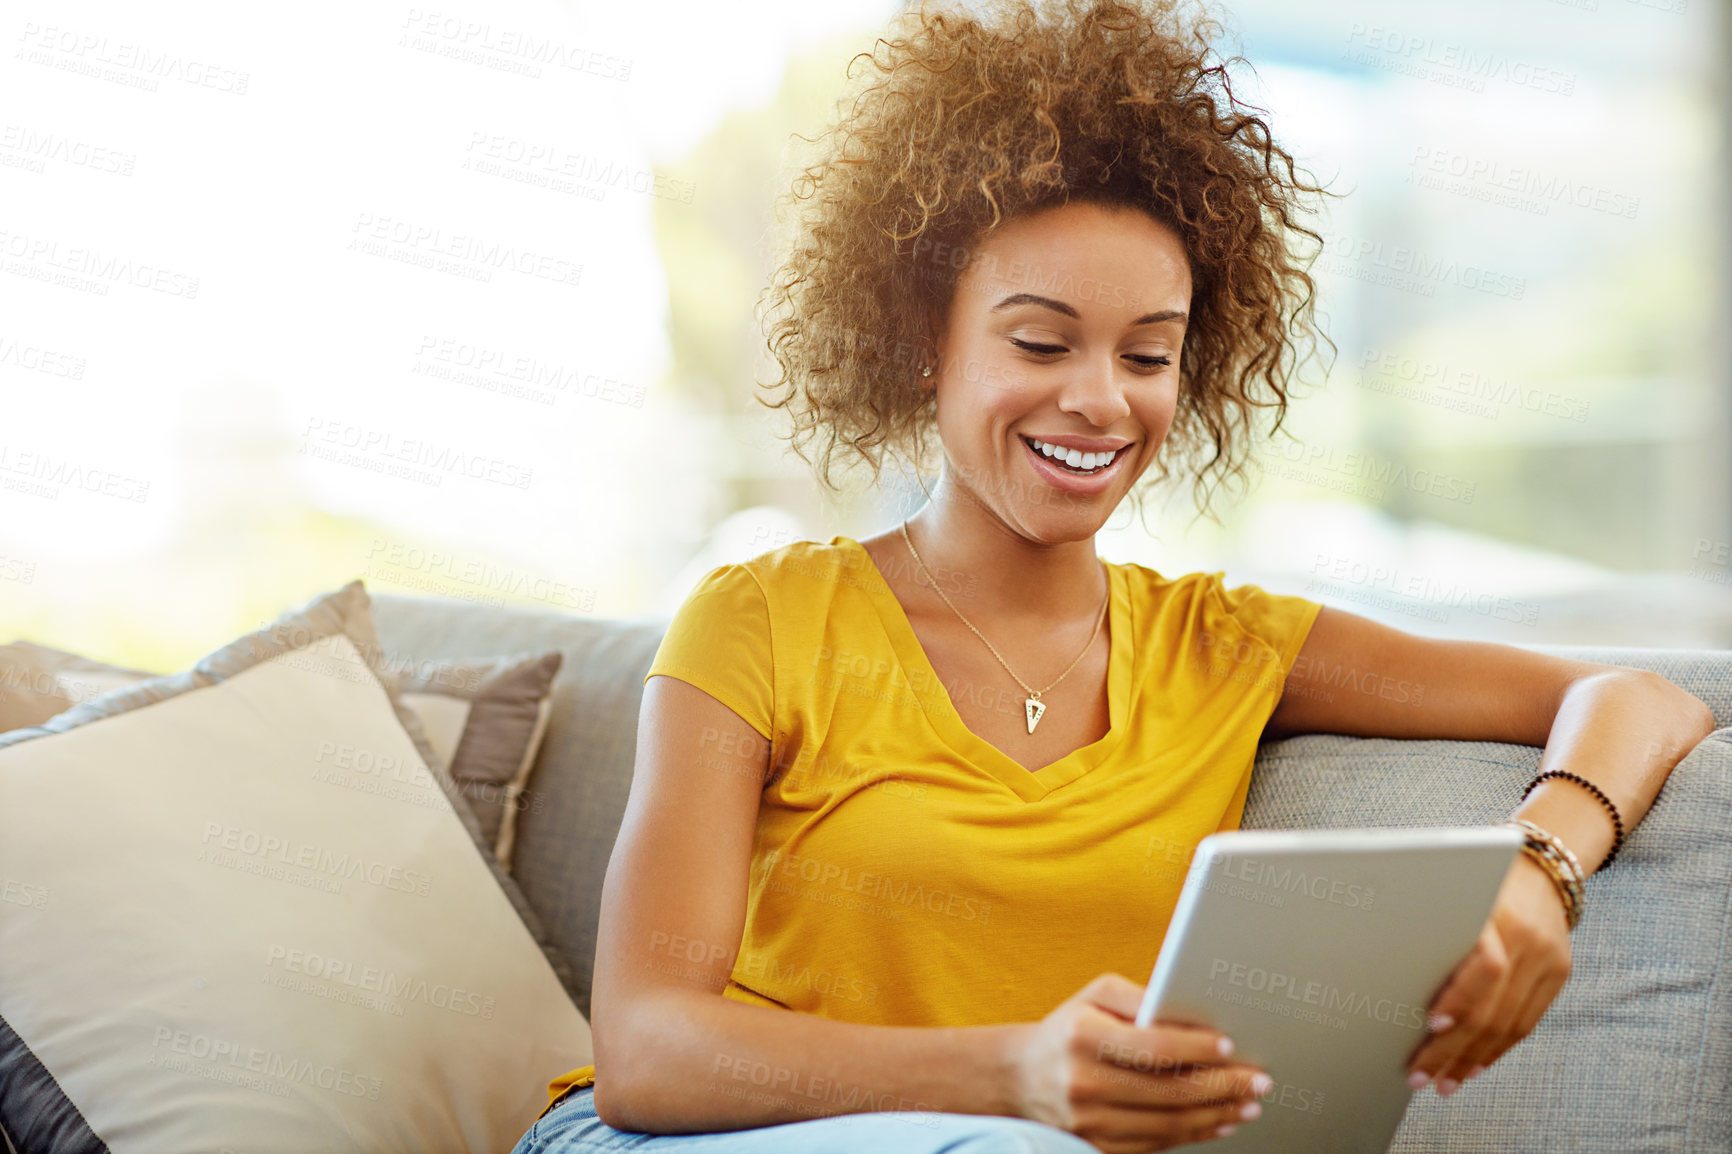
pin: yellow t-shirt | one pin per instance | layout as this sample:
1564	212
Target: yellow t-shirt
907	872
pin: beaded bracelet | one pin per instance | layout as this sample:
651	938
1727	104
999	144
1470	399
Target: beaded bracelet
1617	821
1562	866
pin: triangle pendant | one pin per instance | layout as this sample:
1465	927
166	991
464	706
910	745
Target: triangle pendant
1033	709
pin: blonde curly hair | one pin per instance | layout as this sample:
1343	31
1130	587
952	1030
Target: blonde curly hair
961	120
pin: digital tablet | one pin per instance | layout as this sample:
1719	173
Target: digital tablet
1317	952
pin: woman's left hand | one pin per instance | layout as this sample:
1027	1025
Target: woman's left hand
1499	992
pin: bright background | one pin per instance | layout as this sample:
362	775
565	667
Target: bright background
1523	282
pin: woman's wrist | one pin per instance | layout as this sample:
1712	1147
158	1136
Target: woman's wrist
1599	795
1574	817
1001	1068
1548	854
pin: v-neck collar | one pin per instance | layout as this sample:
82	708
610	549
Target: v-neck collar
1026	784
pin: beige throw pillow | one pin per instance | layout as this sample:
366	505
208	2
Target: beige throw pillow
246	910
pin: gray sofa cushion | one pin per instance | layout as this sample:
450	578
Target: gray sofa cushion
1635	1056
1636	1053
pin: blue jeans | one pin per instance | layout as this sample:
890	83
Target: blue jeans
572	1126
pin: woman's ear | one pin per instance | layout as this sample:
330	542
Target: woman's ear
930	363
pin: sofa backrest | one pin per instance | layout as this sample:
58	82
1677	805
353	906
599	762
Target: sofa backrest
577	792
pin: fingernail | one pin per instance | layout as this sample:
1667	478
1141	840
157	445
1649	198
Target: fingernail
1440	1022
1446	1087
1475	1072
1226	1046
1250	1111
1260	1084
1418	1079
1224	1131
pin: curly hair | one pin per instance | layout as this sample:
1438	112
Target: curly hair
963	120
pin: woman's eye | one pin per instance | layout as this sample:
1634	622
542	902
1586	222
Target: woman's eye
1142	360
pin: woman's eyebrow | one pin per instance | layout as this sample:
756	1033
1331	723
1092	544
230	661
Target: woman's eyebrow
1060	307
1161	317
1031	299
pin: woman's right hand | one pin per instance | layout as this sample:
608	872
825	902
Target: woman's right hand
1086	1068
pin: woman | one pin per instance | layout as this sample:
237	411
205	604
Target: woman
935	790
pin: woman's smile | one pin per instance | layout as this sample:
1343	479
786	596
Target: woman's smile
1074	465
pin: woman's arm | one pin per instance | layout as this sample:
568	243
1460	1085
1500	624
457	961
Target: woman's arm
1621	729
673	1056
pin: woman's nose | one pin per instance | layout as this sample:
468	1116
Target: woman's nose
1094	391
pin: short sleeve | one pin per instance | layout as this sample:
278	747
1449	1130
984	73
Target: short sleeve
719	641
1277	619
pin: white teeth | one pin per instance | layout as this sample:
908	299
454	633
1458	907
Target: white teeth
1075	458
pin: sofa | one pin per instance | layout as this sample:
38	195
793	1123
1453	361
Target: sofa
471	921
1634	1056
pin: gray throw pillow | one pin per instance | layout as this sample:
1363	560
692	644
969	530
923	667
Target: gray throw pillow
486	717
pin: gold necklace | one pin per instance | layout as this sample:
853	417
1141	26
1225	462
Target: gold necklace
1033	707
